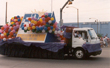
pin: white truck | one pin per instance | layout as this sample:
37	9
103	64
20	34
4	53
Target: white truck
88	44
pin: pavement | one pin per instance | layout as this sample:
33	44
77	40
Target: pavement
100	61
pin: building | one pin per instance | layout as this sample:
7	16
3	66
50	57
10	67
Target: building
102	27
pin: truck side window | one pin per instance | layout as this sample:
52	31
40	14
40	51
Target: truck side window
77	34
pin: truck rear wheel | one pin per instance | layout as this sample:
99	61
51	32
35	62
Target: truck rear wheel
79	54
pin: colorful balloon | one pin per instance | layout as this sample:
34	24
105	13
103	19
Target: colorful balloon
32	21
43	31
29	28
25	28
49	21
50	31
33	27
29	19
52	18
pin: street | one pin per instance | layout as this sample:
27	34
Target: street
100	61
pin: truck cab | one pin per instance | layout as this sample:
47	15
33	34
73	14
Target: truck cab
84	46
88	35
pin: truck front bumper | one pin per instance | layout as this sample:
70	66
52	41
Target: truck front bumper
95	53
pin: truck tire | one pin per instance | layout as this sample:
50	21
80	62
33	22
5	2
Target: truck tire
79	54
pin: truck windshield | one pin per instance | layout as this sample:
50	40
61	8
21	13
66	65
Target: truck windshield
92	34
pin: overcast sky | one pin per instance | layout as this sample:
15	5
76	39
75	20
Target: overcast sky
99	9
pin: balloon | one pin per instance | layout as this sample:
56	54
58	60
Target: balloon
38	29
47	25
6	31
40	20
19	19
11	33
48	18
54	26
50	31
5	26
12	18
17	26
33	27
1	31
48	28
4	34
51	27
45	28
4	39
59	32
56	32
31	24
35	19
35	22
53	21
17	23
41	28
32	21
2	28
46	14
24	25
15	20
25	28
49	21
38	23
52	18
18	16
12	23
43	18
9	30
43	31
15	17
29	19
9	38
28	28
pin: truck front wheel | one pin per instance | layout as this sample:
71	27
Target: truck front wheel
79	54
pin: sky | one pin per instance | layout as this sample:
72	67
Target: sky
95	9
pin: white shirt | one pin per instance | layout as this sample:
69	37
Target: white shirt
79	35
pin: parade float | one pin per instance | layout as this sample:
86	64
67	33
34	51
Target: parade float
38	36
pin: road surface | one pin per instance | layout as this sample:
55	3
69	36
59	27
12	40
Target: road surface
101	61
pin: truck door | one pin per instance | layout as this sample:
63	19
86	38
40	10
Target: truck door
78	41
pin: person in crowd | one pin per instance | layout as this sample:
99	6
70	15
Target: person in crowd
105	41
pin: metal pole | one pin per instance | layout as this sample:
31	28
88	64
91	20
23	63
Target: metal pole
51	6
61	17
61	9
97	26
78	17
6	14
